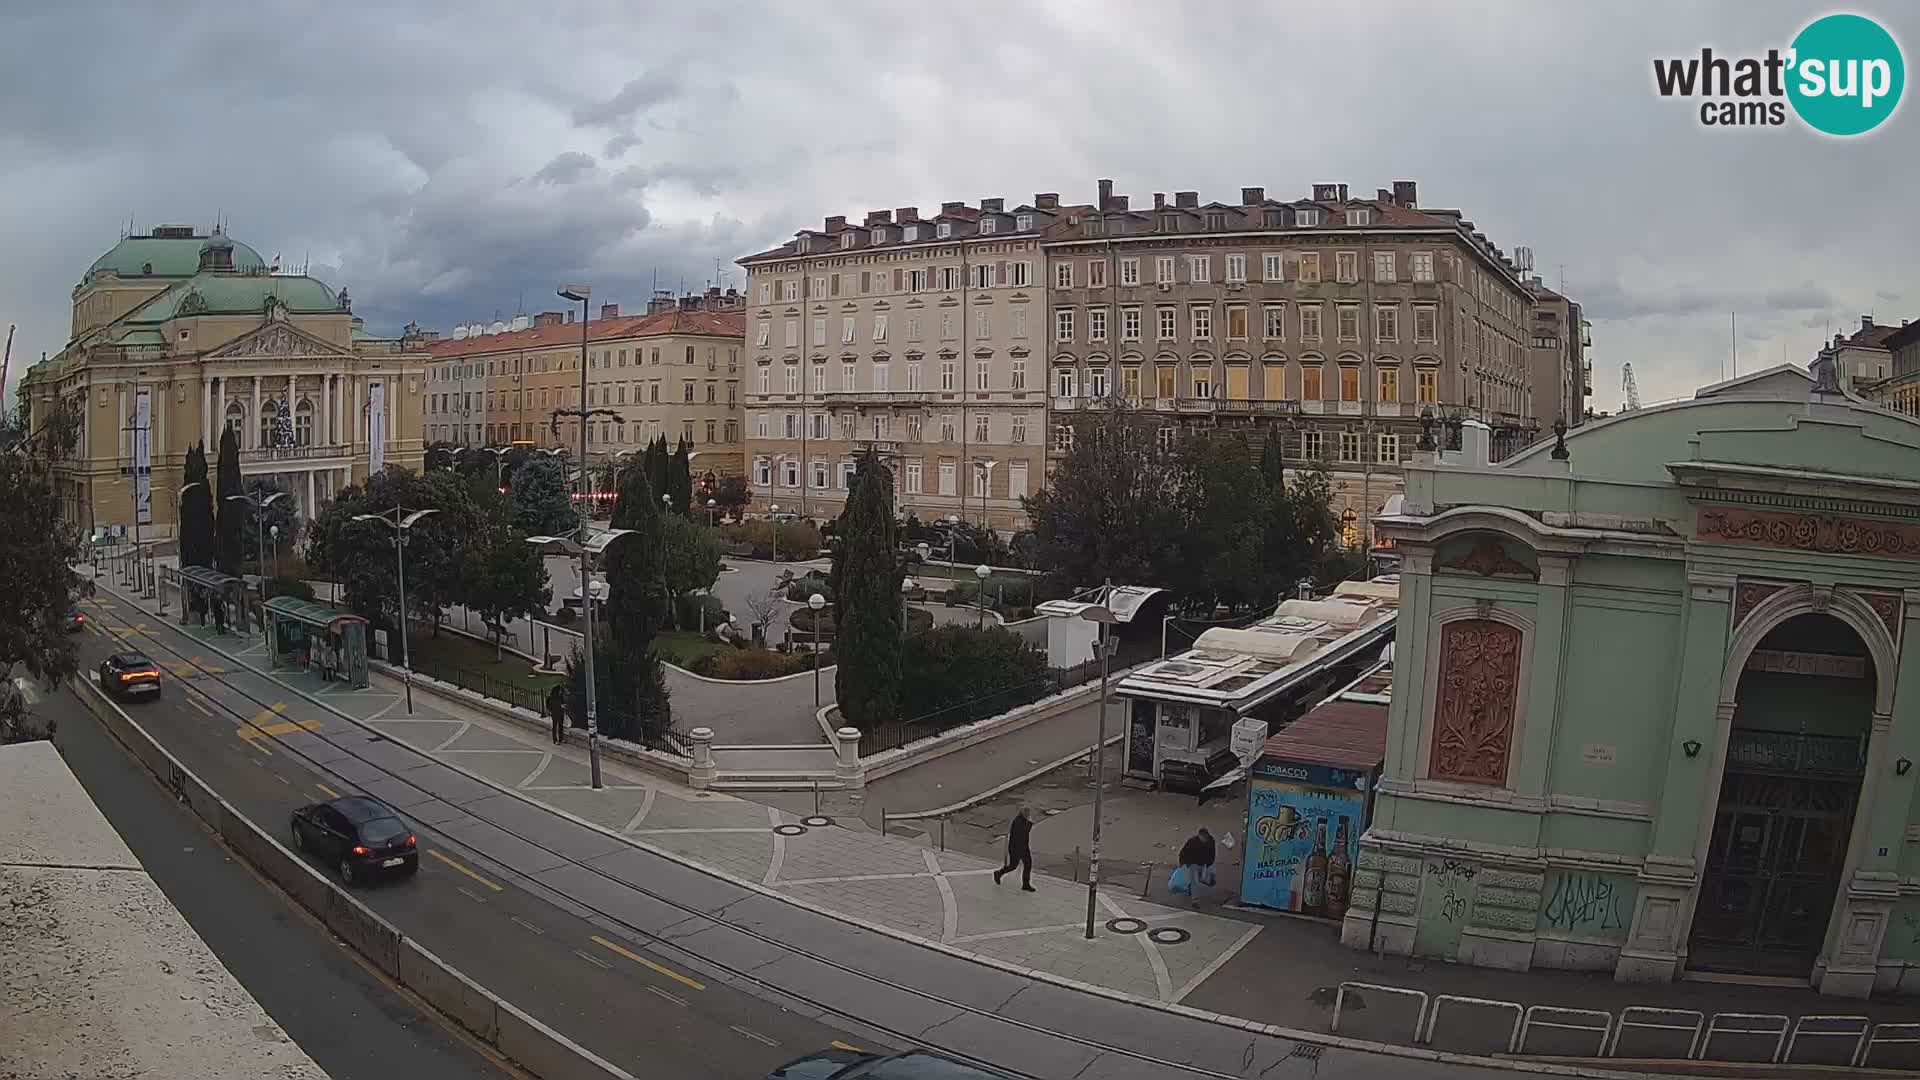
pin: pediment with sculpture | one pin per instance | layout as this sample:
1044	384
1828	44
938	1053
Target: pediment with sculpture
277	338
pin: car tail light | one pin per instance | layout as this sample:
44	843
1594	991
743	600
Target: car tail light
148	674
360	849
410	840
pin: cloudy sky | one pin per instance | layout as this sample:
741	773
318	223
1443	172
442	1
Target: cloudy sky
451	162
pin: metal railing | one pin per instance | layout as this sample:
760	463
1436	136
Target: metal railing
480	682
900	733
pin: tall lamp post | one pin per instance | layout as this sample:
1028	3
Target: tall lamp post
712	506
817	603
401	523
773	522
591	542
259	500
179	498
1102	614
983	572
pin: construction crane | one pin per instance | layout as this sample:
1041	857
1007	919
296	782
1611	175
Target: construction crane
1628	386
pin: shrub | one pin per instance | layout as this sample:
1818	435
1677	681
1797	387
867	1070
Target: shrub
977	673
750	664
564	615
688	606
288	585
803	587
802	622
798	539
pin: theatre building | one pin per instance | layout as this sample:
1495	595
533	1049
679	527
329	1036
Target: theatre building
1654	706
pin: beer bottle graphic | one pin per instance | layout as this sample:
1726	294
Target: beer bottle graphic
1339	873
1313	898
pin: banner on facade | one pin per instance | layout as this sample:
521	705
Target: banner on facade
143	457
376	427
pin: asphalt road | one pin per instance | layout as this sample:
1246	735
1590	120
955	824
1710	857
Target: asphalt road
584	978
349	1020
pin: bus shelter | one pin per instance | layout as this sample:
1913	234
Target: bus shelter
313	637
212	597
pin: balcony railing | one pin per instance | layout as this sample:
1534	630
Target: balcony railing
878	397
290	453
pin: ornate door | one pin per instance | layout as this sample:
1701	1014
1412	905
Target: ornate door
1778	849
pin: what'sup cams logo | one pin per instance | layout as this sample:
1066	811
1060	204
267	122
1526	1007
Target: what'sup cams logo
1842	76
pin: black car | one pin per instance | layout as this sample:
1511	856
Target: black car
129	675
362	837
76	621
837	1064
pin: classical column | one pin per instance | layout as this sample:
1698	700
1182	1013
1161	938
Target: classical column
326	410
311	504
253	422
206	410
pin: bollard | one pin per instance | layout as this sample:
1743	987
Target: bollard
943	832
1146	885
1075	865
816	798
883	821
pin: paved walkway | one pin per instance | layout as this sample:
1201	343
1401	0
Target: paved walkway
969	773
945	898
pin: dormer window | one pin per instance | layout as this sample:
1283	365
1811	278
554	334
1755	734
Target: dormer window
1308	218
879	236
1023	222
846	239
987	224
943	230
1276	219
1169	223
1361	216
1216	221
911	232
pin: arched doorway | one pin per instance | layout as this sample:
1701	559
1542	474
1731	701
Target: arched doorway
1795	758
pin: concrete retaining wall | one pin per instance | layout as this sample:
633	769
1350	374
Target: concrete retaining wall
533	1045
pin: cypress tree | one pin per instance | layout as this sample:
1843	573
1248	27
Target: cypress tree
680	477
655	463
231	517
866	589
1273	459
196	511
628	678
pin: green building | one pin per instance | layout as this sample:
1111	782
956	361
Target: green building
1653	710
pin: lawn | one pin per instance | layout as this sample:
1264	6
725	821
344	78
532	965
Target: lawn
446	652
683	647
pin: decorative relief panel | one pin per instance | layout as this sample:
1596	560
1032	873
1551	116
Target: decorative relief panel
1488	558
1478	694
1749	595
1885	605
1808	532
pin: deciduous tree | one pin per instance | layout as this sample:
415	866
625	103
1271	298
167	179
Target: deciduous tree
502	576
542	505
37	584
690	557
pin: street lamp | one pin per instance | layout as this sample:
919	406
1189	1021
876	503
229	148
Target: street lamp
983	572
817	603
666	503
259	500
589	547
773	522
1103	615
400	525
953	538
712	505
907	585
274	531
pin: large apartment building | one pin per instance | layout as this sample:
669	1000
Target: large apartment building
1562	375
673	372
924	338
1336	320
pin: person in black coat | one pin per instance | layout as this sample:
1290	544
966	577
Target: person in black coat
1196	857
1019	851
557	708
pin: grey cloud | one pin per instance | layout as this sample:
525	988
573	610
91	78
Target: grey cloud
566	168
620	144
635	97
1888	295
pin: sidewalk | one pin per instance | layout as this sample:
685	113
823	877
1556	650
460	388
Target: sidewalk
969	773
945	900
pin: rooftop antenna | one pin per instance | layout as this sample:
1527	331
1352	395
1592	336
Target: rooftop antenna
1733	339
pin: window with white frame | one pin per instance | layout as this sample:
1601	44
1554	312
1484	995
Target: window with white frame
1236	322
1018	432
1236	269
1096	273
913	476
917	280
1360	216
1163	269
1130	324
879	328
948	431
1307	218
759	425
819	286
947	375
1389	379
763	472
982	325
1167	436
1273	322
1097	324
1420	266
1097	387
1020	322
949	278
913	328
761	380
766	292
1425	322
1270	267
1383	268
849	375
910	233
792	378
982	374
1063	324
1203	380
880	377
846	474
946	326
790	473
1201	318
880	427
981	428
1023	222
1347	322
1389	449
1130	271
846	239
983	275
989	225
946	478
819	379
1063	275
1309	322
943	230
1019	374
819	332
914	424
765	336
1063	382
1313	445
1063	438
847	330
1349	446
879	234
1386	323
1346	266
1200	269
792	333
792	290
819	471
1017	273
982	476
913	375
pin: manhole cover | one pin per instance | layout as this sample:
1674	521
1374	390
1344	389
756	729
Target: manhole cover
790	830
1168	935
1126	925
817	821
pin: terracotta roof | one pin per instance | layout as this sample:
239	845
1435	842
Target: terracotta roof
710	323
963	216
1342	734
1871	337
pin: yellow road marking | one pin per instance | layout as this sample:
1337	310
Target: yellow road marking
187	669
464	869
684	980
838	1045
262	727
136	630
331	794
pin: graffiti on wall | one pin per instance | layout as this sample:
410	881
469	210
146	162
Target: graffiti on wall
1449	880
1587	903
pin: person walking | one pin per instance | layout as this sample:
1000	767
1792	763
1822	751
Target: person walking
1196	858
1019	851
557	708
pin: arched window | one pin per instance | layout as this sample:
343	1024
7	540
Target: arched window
268	413
237	421
303	423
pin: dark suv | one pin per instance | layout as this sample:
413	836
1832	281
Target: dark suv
129	675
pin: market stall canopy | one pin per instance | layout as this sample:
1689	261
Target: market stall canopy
1125	601
1337	734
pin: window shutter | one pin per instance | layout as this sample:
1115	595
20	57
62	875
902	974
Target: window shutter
899	279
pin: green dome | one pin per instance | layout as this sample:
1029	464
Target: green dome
169	256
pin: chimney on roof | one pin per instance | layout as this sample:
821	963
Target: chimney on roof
1866	322
1343	193
950	207
662	301
569	316
908	214
1106	194
1186	200
1120	202
1383	195
1403	193
609	311
836	223
1159	200
549	318
993	206
1252	196
1326	192
1047	200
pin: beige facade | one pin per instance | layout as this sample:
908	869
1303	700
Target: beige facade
1336	320
1562	375
673	373
923	338
194	334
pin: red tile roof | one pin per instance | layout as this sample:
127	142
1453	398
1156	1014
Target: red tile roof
710	323
1341	734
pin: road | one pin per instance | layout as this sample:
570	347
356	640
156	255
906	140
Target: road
348	1019
586	979
528	902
